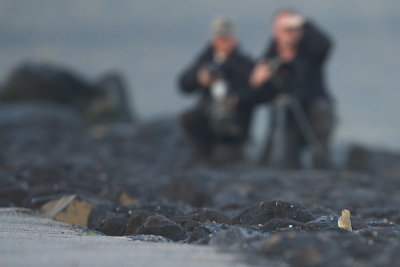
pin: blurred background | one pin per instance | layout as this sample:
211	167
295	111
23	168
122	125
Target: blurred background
150	42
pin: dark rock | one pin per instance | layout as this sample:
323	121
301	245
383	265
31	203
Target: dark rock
137	219
381	235
283	224
390	214
104	100
324	223
385	162
381	223
202	233
301	249
358	158
98	215
186	190
72	208
113	225
162	226
162	209
357	224
208	215
186	222
233	236
266	211
199	233
13	195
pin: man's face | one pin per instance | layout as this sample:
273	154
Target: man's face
224	44
285	32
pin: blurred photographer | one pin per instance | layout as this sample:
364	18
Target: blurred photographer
218	125
293	67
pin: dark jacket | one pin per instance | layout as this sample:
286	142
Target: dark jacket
308	66
236	71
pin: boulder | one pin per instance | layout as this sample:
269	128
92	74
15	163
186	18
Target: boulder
208	215
162	226
71	209
13	195
265	211
202	233
283	224
136	220
167	210
103	100
234	236
185	190
114	225
98	215
376	161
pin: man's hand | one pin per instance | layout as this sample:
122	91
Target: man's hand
204	77
260	75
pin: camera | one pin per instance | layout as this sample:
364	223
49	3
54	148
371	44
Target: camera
222	114
216	70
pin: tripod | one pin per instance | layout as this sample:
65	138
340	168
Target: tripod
284	105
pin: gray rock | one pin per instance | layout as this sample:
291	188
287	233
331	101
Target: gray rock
162	226
266	211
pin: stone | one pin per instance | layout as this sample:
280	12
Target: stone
167	210
344	221
137	219
208	215
388	213
69	209
98	215
162	226
113	225
104	100
233	236
186	190
283	224
201	234
13	195
266	211
126	200
186	222
300	249
324	222
375	161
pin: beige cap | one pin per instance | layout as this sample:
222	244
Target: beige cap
222	26
294	21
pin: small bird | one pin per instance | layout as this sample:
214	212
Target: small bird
344	221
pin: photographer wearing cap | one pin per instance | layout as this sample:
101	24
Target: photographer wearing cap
293	66
218	125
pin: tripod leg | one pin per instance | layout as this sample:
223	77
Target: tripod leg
278	136
305	127
322	120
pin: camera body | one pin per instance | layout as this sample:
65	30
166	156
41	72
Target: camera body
216	70
283	75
